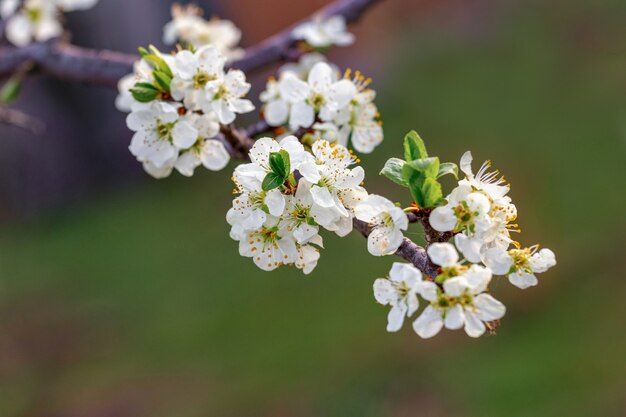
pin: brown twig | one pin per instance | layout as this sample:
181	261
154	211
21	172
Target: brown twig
22	120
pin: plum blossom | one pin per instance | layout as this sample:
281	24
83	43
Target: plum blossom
37	20
333	183
189	27
520	265
400	292
387	222
461	301
323	32
206	151
269	247
159	134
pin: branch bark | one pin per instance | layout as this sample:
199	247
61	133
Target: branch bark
101	67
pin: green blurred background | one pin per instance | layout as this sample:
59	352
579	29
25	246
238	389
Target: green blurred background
134	301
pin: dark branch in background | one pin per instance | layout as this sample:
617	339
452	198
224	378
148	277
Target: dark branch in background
22	120
101	67
62	60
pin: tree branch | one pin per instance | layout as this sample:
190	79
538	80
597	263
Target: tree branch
101	67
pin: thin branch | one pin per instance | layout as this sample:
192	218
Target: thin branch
101	67
408	250
13	117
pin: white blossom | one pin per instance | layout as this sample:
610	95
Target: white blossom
269	247
206	151
189	27
520	265
386	221
35	21
461	303
400	292
159	134
333	181
322	32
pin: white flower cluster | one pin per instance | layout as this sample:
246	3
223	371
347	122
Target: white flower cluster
37	20
311	96
177	103
461	300
478	212
191	29
286	194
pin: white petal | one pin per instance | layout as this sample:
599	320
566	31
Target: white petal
469	247
489	308
473	326
443	219
466	164
276	112
455	287
455	318
184	135
523	279
301	115
214	155
498	260
429	323
275	202
187	163
384	292
443	254
395	319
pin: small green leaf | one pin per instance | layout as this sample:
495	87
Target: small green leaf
429	167
162	80
144	92
286	161
153	57
279	164
432	193
393	171
414	147
10	91
448	168
272	181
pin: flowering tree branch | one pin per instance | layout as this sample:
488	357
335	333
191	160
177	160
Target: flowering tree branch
59	59
239	142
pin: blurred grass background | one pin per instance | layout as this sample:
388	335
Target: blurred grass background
136	303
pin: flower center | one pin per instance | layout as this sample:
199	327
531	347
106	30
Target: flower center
34	14
164	130
317	101
201	79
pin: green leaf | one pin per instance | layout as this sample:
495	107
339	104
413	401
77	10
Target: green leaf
432	193
279	164
448	168
271	181
144	92
414	180
429	167
153	57
10	90
162	80
393	171
414	147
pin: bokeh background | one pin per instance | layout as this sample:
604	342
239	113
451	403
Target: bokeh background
123	296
